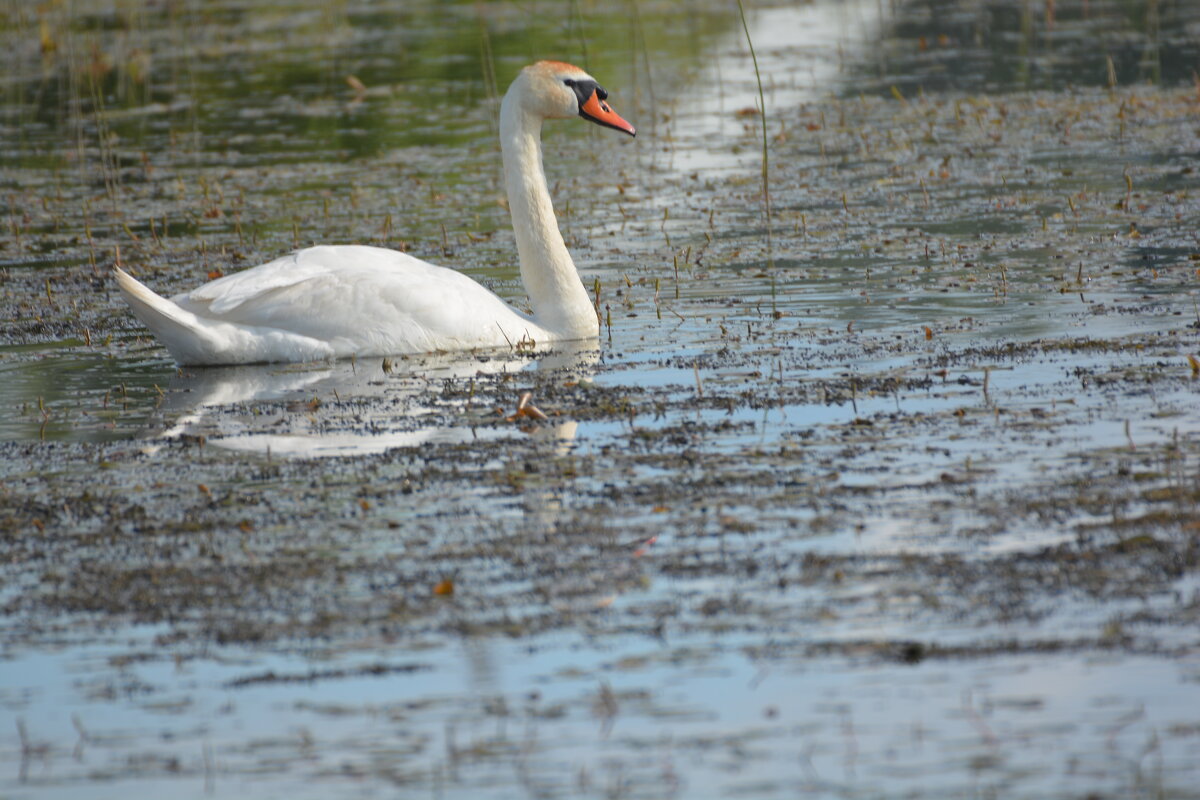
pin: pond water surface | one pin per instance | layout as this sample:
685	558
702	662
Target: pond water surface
889	492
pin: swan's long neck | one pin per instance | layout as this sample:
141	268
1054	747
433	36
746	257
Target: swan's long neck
560	301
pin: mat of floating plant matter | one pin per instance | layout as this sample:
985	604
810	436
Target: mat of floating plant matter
904	501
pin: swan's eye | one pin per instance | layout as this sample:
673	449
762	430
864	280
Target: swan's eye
569	82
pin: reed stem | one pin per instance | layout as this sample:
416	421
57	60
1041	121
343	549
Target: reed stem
762	103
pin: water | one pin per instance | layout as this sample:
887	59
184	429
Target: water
903	503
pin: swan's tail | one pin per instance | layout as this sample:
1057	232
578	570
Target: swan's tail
182	333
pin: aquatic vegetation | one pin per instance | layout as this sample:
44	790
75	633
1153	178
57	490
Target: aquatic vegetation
902	502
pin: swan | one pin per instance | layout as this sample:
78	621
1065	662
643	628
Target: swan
341	301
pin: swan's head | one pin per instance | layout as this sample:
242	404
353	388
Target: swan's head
556	90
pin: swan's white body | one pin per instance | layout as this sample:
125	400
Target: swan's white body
350	300
332	302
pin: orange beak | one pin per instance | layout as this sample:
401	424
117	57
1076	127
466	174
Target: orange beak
601	113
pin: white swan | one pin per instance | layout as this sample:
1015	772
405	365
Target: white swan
341	301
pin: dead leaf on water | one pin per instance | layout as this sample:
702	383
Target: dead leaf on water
527	409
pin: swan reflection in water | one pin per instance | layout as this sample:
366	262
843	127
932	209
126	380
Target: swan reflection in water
357	407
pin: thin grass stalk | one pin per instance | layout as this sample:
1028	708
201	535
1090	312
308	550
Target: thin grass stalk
577	17
488	62
762	107
638	40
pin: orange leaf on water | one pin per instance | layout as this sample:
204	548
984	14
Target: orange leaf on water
646	545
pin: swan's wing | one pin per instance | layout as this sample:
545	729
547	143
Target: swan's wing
360	294
221	298
244	294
